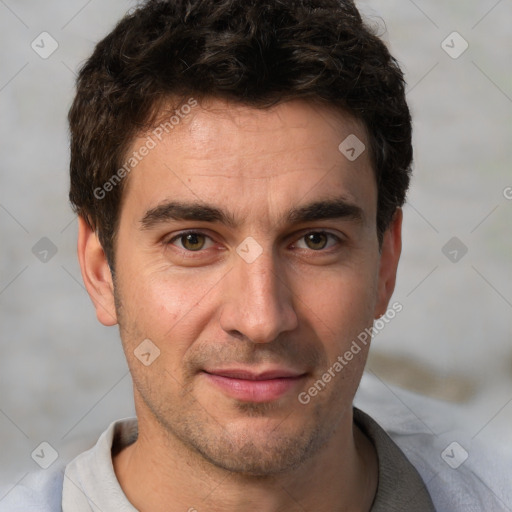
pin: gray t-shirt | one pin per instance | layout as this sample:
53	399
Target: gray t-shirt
400	487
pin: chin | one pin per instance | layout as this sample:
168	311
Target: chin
258	450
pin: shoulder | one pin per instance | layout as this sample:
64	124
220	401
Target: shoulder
43	490
40	491
460	473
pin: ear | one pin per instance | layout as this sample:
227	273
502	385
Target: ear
96	273
390	255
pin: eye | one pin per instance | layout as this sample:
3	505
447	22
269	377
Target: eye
191	241
317	240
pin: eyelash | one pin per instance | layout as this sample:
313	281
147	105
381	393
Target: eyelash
183	234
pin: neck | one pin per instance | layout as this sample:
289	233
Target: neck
158	472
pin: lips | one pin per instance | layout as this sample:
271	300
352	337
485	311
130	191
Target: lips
254	385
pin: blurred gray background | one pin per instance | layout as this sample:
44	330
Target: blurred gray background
63	376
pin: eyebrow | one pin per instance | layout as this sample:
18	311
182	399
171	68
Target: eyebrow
338	208
174	210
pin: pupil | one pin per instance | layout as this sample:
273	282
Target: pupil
193	242
317	240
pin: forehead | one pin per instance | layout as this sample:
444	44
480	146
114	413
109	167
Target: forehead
231	154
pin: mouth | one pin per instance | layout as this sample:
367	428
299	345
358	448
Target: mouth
255	385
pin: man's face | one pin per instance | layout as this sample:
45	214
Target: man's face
247	253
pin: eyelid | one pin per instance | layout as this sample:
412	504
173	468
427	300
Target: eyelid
304	233
186	232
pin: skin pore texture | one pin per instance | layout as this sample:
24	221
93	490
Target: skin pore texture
246	252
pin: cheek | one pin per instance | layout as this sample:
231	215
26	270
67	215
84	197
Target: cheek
169	308
341	305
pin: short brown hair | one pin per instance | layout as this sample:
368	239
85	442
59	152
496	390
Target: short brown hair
256	52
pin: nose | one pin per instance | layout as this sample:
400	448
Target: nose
257	301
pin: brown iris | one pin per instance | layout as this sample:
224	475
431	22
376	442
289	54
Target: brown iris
193	241
316	241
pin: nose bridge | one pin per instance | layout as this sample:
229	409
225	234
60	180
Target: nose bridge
261	280
258	303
